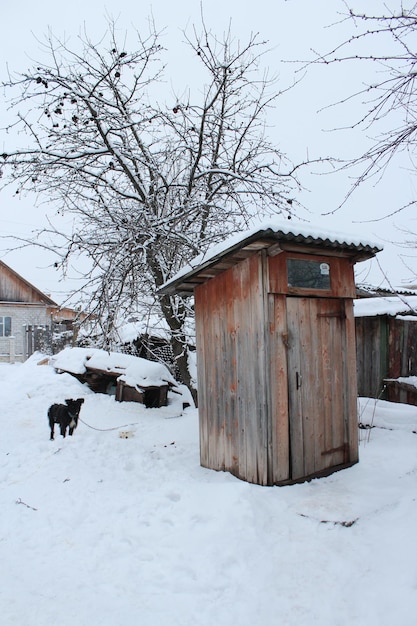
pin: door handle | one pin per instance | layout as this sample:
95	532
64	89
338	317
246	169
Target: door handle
298	380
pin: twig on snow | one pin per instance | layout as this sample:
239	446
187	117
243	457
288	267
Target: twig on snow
346	524
20	501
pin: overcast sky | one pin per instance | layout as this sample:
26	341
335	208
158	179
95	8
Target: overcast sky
293	28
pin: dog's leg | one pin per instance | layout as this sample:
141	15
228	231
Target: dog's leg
51	423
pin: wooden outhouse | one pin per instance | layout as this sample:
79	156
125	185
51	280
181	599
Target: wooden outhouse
276	352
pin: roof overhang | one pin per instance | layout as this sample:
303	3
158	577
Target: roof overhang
273	240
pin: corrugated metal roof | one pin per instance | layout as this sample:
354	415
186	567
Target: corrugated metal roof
240	246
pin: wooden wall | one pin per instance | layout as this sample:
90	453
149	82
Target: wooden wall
371	355
386	347
231	355
402	347
14	289
313	347
252	347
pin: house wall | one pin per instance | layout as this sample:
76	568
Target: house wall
14	348
13	288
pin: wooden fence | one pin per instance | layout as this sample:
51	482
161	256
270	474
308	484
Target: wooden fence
386	348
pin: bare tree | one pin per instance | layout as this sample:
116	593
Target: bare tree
387	41
149	185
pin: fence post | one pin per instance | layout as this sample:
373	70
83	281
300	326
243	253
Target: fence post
29	341
12	350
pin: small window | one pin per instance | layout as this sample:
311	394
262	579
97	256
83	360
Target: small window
5	326
306	274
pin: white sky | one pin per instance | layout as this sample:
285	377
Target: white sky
293	28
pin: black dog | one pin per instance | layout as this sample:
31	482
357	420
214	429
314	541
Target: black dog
66	415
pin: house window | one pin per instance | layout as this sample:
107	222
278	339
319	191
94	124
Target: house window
307	274
5	326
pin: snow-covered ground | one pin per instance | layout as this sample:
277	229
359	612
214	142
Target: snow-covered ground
119	524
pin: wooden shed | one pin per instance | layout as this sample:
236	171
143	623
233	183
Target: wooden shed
386	347
276	352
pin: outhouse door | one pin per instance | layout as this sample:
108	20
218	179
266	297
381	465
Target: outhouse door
317	384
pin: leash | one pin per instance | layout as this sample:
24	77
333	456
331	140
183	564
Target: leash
106	429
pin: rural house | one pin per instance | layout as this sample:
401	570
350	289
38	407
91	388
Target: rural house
276	351
27	317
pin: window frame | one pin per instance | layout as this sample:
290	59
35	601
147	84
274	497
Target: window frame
312	261
5	326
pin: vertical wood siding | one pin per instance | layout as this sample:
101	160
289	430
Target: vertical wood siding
231	372
350	396
276	375
322	396
386	347
371	355
280	436
402	347
14	289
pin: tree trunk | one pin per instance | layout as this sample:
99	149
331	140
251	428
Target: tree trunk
175	321
180	351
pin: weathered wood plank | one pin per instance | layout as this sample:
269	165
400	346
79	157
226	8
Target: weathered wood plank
294	385
279	386
350	386
203	359
316	388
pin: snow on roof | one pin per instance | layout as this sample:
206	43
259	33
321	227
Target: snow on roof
368	290
155	327
134	371
389	305
408	380
289	230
